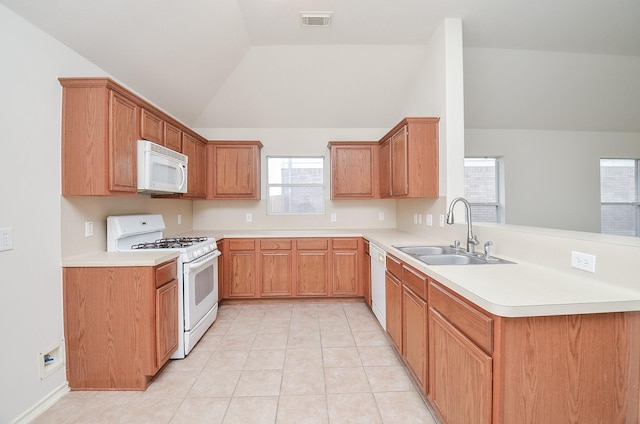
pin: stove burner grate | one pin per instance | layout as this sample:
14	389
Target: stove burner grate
170	243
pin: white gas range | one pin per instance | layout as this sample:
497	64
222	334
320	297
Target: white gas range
197	270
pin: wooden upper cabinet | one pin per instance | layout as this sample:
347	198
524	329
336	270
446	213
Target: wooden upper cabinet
385	168
233	170
399	163
151	127
409	159
172	137
101	123
196	171
162	132
99	133
354	170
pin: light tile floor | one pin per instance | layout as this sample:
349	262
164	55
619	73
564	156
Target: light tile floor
295	362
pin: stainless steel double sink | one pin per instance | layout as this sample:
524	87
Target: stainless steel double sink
448	255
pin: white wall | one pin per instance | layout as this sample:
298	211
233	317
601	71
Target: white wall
439	92
552	178
31	301
551	116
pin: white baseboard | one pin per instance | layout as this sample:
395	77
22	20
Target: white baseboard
44	404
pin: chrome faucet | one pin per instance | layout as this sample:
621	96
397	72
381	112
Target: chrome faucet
472	240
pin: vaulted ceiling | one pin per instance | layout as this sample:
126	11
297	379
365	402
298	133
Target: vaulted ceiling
228	63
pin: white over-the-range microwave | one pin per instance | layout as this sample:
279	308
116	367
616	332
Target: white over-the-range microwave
161	170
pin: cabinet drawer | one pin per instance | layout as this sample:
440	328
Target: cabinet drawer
166	272
473	323
394	266
312	244
346	243
271	244
415	280
242	244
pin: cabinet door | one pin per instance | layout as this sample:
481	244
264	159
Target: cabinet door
123	128
276	268
385	168
460	375
399	160
345	273
353	170
195	150
414	336
151	127
242	273
394	310
366	274
166	321
172	137
312	267
234	170
221	263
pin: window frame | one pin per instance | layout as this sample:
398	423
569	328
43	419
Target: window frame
321	185
499	204
635	204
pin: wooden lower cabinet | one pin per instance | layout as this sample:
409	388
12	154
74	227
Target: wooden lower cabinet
221	259
304	267
345	261
240	268
121	325
393	288
366	274
414	336
276	267
460	375
561	369
312	267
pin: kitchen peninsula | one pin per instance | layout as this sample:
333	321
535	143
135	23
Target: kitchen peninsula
508	343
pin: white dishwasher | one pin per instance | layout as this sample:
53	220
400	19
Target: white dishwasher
378	292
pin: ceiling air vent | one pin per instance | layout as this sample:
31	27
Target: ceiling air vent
316	19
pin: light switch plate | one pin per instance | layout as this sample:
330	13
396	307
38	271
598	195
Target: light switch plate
6	239
88	229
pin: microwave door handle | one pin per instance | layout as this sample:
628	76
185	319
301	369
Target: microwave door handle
184	176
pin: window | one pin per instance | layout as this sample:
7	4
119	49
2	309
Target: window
619	206
481	188
295	185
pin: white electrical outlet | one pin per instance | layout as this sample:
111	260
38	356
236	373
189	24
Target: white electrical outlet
429	219
583	261
441	223
179	219
249	217
88	229
380	216
415	218
334	217
6	239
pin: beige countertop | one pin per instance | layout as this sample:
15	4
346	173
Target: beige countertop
111	259
510	290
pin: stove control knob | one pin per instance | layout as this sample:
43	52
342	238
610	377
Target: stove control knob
197	253
205	249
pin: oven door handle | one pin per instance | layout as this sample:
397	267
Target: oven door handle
205	262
